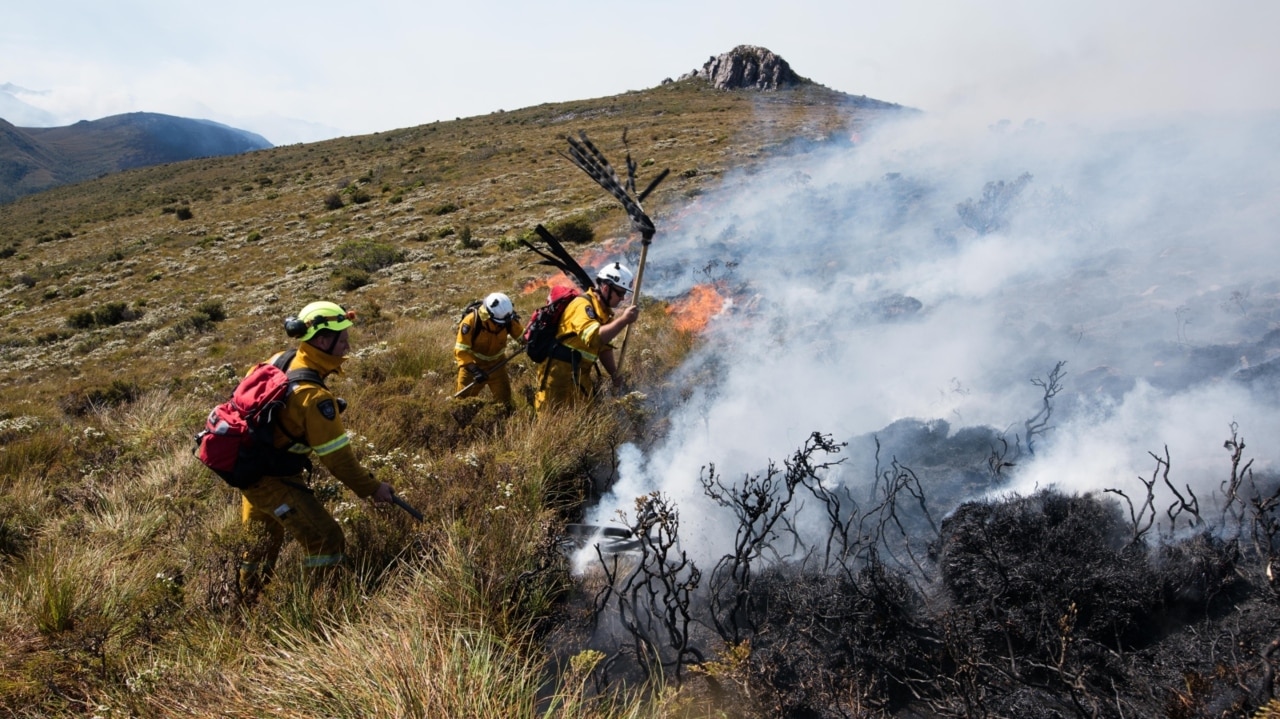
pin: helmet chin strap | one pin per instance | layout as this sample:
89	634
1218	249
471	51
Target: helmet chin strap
333	341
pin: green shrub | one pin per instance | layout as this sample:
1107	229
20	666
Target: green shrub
466	241
107	315
445	209
350	278
80	319
254	236
205	315
576	229
369	255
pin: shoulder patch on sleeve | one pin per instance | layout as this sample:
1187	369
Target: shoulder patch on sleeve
591	313
465	329
328	409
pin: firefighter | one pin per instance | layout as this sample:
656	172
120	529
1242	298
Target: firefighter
480	344
587	327
310	422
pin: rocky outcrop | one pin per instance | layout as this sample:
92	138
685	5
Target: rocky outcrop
747	67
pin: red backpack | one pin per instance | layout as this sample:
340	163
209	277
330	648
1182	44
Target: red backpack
237	442
541	334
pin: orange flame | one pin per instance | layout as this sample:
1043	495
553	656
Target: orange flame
559	279
695	310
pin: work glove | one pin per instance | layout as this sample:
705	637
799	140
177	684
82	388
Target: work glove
477	374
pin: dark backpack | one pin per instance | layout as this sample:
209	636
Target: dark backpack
541	335
473	306
237	442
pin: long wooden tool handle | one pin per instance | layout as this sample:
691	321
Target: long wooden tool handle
635	299
505	360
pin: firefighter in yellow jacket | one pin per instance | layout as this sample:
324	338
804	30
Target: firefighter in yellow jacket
479	348
310	422
587	327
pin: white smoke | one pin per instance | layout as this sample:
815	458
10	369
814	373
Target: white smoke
1145	257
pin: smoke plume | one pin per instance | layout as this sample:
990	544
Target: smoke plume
930	272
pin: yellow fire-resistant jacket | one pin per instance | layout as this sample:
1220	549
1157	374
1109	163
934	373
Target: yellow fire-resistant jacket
580	325
483	341
311	418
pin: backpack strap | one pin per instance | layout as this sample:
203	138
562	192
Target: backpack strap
302	374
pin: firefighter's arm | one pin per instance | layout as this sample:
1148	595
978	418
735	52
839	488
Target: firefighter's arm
614	327
462	353
331	443
517	330
610	364
343	465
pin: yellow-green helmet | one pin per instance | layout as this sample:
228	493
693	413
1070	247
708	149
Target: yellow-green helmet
318	316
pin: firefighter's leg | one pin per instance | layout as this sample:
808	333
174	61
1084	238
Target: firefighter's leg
298	511
556	387
500	385
464	379
266	534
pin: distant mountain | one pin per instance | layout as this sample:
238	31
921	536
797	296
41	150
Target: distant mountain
33	159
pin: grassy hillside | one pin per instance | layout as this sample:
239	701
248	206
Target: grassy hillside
133	302
261	238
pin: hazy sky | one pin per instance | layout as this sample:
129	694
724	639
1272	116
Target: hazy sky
296	72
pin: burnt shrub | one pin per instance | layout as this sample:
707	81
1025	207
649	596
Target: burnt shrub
821	634
1194	575
990	213
1027	571
333	201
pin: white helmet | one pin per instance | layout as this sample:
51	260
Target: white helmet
617	275
499	307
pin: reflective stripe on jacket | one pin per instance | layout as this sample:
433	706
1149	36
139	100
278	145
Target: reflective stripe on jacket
580	325
483	341
311	416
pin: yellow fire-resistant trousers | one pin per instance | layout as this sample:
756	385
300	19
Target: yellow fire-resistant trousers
499	383
556	386
278	504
